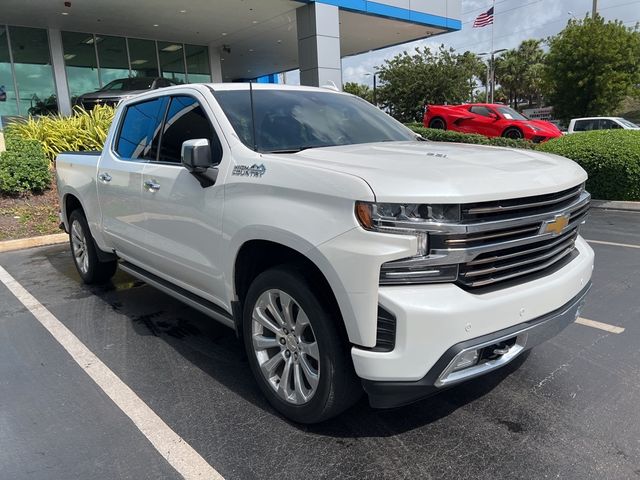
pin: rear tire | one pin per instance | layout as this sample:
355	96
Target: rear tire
513	133
83	250
438	123
297	355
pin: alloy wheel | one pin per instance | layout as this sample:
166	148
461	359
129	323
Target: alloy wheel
79	246
285	346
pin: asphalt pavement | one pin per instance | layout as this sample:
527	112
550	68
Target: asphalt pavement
569	410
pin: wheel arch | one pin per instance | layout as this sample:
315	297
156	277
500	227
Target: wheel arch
259	253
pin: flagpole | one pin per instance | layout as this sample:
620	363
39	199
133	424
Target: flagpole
493	75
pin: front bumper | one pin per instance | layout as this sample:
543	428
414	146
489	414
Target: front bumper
522	337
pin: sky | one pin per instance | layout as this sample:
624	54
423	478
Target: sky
515	21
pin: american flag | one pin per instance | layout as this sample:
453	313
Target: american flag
484	19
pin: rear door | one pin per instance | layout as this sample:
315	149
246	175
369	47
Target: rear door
183	220
120	174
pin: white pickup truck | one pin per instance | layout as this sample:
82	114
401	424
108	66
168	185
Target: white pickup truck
348	253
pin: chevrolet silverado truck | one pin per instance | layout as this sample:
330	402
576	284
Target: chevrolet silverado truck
348	253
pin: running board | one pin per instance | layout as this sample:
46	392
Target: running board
205	306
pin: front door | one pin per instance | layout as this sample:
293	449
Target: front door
119	176
183	220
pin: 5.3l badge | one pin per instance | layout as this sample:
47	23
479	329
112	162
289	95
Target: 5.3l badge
252	171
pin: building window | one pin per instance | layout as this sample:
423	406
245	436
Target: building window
142	54
112	57
172	61
33	72
197	63
8	102
81	63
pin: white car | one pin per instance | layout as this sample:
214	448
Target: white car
345	251
600	123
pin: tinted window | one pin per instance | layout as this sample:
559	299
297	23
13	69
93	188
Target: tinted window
138	138
186	120
290	120
583	125
606	124
484	111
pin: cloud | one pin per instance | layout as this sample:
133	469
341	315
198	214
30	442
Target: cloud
515	21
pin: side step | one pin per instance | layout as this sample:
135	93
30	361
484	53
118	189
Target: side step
205	306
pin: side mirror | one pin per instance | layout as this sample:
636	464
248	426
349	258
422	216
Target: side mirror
196	155
494	116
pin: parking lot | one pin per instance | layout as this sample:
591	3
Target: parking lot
569	410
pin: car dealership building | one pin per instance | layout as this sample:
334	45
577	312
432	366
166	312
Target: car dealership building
51	51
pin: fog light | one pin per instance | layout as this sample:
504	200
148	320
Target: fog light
465	360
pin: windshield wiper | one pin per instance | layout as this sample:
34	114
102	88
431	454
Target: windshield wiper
294	150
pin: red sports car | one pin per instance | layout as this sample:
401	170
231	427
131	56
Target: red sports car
490	120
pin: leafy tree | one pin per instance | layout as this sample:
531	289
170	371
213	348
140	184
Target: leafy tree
592	65
359	89
519	72
408	81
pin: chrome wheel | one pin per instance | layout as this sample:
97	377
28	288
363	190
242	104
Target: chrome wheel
79	247
285	346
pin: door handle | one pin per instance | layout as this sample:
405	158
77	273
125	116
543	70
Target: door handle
152	186
104	177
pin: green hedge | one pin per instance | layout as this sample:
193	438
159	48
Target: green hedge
457	137
24	167
610	157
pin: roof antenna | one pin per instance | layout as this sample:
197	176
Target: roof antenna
253	117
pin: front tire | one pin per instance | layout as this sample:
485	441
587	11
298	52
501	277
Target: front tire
296	353
83	250
513	133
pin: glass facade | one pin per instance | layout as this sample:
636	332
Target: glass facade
91	61
172	61
143	58
81	63
26	75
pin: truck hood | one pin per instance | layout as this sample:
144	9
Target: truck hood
441	172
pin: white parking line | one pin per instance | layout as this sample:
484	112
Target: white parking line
602	326
626	245
168	443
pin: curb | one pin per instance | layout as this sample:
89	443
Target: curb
21	243
616	205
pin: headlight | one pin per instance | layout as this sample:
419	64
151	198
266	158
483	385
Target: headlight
535	129
415	220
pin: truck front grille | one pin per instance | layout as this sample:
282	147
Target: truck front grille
510	240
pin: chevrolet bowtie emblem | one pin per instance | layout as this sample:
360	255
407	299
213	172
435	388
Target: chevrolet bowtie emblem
555	226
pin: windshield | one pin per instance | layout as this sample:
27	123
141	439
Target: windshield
627	123
511	114
129	84
290	121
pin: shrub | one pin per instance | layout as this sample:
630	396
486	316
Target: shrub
84	130
23	167
610	157
457	137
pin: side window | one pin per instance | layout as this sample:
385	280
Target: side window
484	111
140	128
581	125
186	120
606	124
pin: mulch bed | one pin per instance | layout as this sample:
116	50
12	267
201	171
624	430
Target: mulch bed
29	215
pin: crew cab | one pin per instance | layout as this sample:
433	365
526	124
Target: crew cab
346	252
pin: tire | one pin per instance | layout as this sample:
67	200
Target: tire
513	133
83	251
438	123
299	395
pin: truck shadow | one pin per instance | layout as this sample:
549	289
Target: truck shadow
215	350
